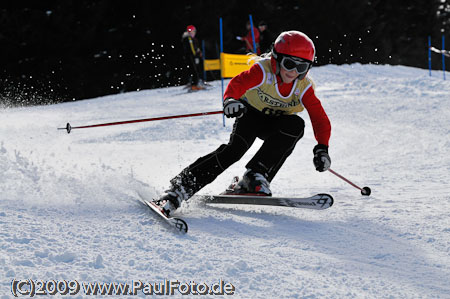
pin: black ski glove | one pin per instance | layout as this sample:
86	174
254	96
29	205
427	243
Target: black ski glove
233	108
321	159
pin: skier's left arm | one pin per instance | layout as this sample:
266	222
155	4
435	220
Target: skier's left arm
322	129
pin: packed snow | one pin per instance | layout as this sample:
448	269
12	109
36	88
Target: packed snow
69	208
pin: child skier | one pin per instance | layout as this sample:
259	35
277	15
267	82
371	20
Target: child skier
263	100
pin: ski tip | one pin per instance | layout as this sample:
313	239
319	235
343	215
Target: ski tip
181	225
328	199
178	224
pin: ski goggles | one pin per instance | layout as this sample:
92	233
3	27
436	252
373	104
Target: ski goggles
290	63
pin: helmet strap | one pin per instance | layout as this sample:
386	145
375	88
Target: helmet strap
276	56
277	67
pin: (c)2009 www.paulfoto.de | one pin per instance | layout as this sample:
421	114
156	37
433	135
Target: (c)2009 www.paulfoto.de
31	288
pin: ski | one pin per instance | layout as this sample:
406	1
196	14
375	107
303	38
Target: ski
176	223
317	202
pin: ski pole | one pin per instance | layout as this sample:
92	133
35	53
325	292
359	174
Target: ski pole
364	191
69	128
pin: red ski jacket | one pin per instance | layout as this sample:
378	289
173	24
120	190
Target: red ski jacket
253	77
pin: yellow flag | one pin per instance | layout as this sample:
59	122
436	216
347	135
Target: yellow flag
233	64
212	64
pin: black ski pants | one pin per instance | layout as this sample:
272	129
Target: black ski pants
280	135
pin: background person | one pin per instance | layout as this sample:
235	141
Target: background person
248	39
266	37
192	56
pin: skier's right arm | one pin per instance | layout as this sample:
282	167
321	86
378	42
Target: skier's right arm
243	82
232	106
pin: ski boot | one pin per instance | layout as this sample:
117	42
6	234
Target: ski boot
196	87
251	183
170	201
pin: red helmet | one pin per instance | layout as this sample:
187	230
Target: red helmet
295	43
191	28
292	43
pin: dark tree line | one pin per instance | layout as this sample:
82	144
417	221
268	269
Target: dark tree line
53	51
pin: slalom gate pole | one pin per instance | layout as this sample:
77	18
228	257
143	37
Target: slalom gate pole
364	191
253	35
443	56
429	54
69	128
203	60
221	70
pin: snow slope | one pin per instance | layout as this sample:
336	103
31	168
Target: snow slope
68	208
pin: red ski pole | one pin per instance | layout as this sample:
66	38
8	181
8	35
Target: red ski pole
69	128
364	191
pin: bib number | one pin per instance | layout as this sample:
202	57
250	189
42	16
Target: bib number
272	112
